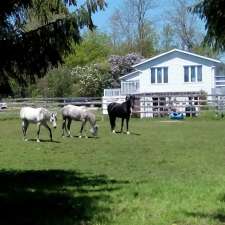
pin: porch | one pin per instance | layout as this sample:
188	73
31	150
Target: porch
127	87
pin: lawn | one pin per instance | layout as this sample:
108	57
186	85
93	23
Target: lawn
163	173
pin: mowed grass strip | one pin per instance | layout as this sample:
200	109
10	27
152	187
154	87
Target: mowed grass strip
163	173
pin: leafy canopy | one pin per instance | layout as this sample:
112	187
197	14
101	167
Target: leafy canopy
95	47
213	13
26	51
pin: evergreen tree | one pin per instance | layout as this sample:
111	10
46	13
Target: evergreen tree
27	52
213	13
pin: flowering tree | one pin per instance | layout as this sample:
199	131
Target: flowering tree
120	65
89	80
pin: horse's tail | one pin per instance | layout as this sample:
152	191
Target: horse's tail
110	107
63	116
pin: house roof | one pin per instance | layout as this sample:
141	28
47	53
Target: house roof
129	74
177	50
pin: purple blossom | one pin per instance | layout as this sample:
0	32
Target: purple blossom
120	65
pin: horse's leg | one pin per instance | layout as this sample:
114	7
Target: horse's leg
127	121
38	131
24	128
110	120
82	127
68	127
64	126
50	132
112	123
121	130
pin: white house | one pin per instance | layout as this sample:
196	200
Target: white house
173	73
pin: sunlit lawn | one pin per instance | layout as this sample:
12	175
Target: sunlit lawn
163	173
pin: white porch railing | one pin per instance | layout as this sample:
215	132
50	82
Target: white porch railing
112	92
130	87
127	87
220	81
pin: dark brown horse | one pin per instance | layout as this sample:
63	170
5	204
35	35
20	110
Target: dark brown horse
122	111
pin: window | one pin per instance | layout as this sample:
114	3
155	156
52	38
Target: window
159	75
129	87
152	75
186	74
165	75
192	74
199	73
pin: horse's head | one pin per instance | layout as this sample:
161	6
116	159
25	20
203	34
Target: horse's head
94	130
53	119
131	100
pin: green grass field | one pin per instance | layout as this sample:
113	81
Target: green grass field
163	173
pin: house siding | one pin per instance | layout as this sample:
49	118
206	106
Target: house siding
175	64
213	80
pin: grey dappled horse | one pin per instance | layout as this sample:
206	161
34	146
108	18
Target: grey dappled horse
39	116
122	111
78	113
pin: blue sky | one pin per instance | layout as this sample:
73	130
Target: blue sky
102	18
158	13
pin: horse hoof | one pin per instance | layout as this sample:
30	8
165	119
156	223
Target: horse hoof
86	137
128	132
38	140
25	139
80	136
113	131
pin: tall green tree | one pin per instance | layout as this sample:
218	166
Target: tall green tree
204	49
213	14
30	52
95	47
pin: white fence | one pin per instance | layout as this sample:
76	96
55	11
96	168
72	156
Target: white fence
106	100
52	102
159	105
14	105
145	105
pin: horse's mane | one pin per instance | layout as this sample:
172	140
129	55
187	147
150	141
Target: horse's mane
46	113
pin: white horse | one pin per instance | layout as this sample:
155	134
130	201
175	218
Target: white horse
78	113
39	116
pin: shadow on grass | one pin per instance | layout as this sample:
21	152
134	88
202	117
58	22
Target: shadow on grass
54	197
218	216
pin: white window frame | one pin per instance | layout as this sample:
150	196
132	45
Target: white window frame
193	77
156	75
